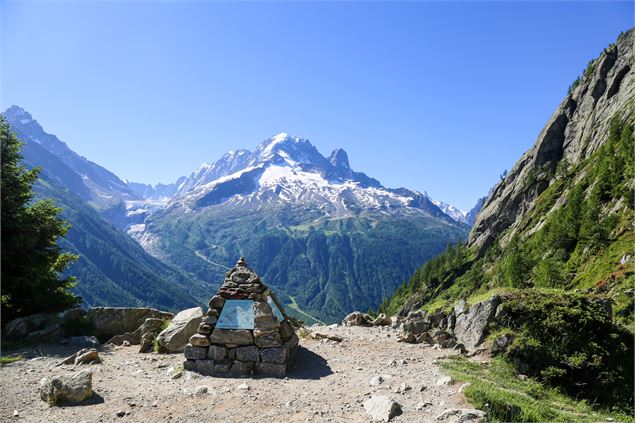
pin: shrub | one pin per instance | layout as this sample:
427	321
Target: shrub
569	340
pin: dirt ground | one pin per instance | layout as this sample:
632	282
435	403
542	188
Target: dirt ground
329	383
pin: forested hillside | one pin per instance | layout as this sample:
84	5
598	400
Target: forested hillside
554	241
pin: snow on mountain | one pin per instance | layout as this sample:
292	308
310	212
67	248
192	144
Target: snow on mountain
290	170
450	210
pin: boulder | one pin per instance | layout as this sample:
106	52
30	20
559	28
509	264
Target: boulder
357	318
471	326
22	326
83	356
382	408
111	321
461	415
382	320
181	328
72	388
150	325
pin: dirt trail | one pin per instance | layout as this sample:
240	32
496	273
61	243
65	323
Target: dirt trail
329	383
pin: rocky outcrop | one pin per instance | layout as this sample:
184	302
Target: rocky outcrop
36	328
111	321
181	328
67	388
576	129
470	327
463	328
357	318
151	325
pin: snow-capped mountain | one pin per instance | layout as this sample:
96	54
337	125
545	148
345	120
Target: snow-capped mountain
450	210
286	169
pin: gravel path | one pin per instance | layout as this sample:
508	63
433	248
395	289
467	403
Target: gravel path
329	383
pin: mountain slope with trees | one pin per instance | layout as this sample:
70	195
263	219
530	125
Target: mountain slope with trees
555	239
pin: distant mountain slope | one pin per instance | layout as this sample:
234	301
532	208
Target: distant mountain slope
113	269
327	238
91	182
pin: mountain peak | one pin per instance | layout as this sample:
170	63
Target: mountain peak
339	159
17	113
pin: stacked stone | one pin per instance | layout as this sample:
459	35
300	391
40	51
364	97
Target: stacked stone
266	350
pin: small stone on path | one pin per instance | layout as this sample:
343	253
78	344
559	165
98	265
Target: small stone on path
382	408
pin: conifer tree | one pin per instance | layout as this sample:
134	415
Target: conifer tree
32	261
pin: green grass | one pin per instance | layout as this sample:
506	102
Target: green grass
496	388
4	360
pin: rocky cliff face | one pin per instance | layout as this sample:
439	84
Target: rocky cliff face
576	129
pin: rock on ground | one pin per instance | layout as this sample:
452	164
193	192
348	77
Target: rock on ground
111	321
462	415
382	408
71	387
181	328
357	318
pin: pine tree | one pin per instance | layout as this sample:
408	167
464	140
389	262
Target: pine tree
32	261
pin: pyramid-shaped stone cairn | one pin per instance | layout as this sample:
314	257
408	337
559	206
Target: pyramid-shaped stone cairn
245	332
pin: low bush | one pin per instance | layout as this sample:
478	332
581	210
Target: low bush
569	340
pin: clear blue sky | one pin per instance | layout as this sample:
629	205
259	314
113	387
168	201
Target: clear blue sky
436	96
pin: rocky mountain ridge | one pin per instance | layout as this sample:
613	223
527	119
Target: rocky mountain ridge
576	129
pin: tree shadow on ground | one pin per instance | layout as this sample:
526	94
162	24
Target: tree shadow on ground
308	365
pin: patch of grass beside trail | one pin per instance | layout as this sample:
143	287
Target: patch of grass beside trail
4	360
496	389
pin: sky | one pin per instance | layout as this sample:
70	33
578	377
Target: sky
434	96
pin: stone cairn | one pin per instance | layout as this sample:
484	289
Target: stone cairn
266	350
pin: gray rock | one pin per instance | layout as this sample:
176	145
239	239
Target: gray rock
181	328
111	321
189	365
200	390
222	367
232	336
271	370
216	302
382	408
83	356
471	326
377	380
216	352
357	318
248	353
23	326
446	380
72	388
205	367
199	340
195	353
267	339
274	355
461	415
382	320
240	368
